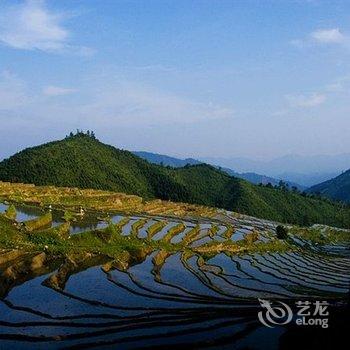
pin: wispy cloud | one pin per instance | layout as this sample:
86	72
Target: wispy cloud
306	101
130	103
32	26
325	36
105	104
328	36
57	91
339	87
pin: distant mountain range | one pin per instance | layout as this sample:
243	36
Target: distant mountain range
304	170
337	188
162	159
82	161
308	179
254	178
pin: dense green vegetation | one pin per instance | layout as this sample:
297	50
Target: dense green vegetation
82	161
337	188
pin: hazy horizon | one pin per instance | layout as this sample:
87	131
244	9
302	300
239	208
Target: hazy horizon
332	164
172	154
197	79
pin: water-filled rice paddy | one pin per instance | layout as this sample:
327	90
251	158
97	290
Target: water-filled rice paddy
159	297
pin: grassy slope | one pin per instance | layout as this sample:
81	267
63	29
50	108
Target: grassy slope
87	163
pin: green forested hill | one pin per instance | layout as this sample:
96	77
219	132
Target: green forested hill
337	188
82	161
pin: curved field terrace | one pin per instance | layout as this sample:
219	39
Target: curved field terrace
78	274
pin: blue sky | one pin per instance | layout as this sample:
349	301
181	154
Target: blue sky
187	78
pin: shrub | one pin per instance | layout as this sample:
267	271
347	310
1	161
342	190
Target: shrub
281	232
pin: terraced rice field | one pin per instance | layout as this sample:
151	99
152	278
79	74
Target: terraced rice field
191	282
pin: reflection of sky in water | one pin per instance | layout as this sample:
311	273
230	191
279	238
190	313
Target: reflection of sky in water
116	218
90	222
87	227
221	230
178	238
199	242
127	228
238	235
24	217
181	282
164	231
143	230
24	213
86	223
3	207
